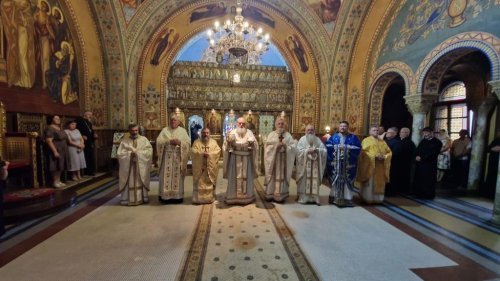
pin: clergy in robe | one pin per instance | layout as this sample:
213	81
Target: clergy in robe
240	151
205	154
374	165
405	163
279	156
173	144
342	158
394	143
134	155
426	154
310	165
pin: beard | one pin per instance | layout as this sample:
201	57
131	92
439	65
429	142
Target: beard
310	138
280	131
205	139
241	132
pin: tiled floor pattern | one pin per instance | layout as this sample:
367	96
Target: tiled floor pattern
253	242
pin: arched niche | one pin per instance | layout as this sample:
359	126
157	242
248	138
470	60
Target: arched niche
152	79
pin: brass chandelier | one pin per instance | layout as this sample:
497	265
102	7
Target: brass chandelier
236	42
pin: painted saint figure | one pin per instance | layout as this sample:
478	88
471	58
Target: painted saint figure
162	45
294	46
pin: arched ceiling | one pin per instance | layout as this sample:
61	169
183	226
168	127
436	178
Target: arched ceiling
124	39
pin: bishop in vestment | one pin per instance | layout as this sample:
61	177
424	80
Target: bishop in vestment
310	165
279	155
240	164
173	144
343	151
205	154
134	155
374	165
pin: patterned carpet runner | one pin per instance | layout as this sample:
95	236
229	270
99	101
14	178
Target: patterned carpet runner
244	243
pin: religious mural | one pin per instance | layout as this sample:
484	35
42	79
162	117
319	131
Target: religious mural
258	16
166	40
129	7
213	120
425	17
38	52
327	11
295	47
213	10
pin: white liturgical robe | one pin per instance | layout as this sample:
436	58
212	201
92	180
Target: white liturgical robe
240	167
173	163
134	156
310	166
278	163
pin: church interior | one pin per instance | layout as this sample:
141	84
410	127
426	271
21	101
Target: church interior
387	63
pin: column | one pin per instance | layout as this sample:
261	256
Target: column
479	141
495	88
419	106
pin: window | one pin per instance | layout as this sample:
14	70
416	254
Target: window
451	111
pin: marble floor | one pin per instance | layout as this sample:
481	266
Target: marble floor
402	239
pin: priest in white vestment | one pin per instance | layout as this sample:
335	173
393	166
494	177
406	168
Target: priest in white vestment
173	144
134	155
240	164
205	154
279	156
310	166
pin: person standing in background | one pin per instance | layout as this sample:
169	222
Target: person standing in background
84	125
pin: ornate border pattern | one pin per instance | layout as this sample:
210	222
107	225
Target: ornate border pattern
485	42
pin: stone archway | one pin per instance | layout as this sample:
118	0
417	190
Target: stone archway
385	76
152	80
437	61
473	58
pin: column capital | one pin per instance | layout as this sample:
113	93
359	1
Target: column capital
420	103
495	87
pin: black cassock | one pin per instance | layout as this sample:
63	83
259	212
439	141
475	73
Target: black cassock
404	164
395	180
424	184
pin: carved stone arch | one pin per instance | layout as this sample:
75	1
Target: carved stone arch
438	60
384	77
307	82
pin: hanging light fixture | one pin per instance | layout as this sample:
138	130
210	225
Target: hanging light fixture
236	41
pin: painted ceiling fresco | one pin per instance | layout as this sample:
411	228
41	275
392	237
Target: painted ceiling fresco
327	11
129	7
425	18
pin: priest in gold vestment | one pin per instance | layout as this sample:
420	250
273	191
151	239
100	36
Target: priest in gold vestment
311	162
205	154
374	164
173	144
240	164
134	155
279	156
